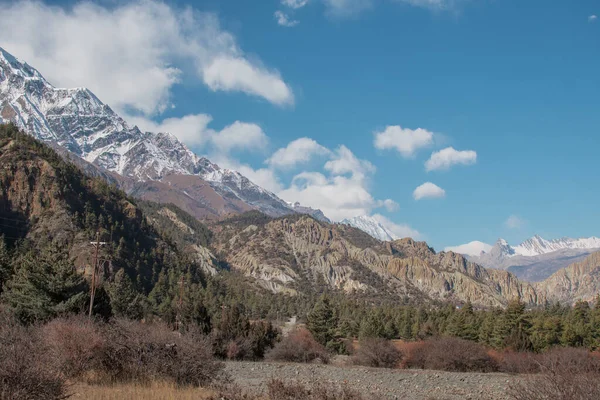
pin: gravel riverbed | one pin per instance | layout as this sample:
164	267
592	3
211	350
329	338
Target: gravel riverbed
387	383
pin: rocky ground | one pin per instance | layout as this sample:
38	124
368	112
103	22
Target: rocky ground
387	383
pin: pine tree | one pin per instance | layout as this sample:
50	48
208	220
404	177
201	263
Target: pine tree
322	321
45	285
125	301
5	264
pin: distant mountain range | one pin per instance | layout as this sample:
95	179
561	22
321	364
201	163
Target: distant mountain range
535	259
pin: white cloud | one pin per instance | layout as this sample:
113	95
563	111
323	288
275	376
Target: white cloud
264	177
444	159
344	8
514	222
240	135
428	190
471	249
400	230
390	205
592	18
297	152
295	4
341	193
229	73
131	54
191	129
345	162
432	4
405	141
284	20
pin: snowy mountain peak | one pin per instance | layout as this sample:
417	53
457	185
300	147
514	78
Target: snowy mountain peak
78	121
537	245
371	226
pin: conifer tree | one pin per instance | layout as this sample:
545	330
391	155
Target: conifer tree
125	301
45	285
322	321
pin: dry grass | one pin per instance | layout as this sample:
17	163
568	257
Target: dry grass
154	391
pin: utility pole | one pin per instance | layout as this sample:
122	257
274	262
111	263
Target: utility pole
179	304
97	245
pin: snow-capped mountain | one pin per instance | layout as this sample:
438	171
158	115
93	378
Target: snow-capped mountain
78	121
537	245
371	226
536	258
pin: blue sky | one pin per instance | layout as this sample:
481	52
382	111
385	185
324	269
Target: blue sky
514	81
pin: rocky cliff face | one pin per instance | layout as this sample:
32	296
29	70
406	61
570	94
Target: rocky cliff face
291	254
579	281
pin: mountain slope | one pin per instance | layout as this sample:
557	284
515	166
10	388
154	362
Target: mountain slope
298	254
579	281
48	203
371	226
78	121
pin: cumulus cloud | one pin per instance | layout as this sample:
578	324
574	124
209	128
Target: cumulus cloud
284	20
297	152
191	129
398	230
194	130
295	4
230	73
341	190
514	222
446	158
592	18
240	135
405	141
132	54
428	190
471	249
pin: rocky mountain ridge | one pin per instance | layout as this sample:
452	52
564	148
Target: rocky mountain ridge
78	121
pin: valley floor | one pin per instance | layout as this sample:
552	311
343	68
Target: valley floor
387	383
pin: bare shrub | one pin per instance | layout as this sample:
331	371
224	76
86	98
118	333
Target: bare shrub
25	373
147	352
451	354
566	374
376	352
514	362
74	345
298	346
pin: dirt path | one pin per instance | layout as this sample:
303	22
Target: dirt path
392	384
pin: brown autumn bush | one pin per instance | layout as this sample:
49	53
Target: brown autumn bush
25	371
514	362
451	354
377	352
565	374
298	346
74	344
148	352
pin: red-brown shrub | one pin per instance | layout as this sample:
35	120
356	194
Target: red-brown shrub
147	352
298	346
74	344
566	374
376	352
451	354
